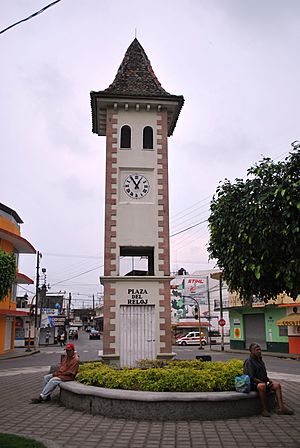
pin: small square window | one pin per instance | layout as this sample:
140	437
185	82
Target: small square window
283	331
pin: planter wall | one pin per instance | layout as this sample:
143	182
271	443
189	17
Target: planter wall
158	405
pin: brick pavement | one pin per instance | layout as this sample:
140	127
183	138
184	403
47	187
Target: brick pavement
73	429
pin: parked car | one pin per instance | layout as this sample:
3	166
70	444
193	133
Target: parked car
94	334
192	338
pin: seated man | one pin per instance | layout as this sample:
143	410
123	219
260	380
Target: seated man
256	369
66	372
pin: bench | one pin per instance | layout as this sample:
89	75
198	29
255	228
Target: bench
203	358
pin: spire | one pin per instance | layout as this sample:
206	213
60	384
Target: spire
135	75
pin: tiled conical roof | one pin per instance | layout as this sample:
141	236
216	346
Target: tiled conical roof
135	75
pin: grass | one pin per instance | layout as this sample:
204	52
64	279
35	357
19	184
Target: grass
12	441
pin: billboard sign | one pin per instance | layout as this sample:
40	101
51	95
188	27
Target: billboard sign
57	321
196	287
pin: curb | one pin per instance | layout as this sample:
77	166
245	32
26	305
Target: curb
18	355
264	353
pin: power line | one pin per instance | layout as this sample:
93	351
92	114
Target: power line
192	206
98	267
29	17
72	255
188	228
78	275
197	214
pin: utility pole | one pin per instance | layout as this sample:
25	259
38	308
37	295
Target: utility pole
221	313
209	311
69	306
37	300
200	328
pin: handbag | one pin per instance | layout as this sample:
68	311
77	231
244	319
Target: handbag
242	384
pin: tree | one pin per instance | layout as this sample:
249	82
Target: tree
254	230
7	272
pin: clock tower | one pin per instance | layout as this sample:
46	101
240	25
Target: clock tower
137	116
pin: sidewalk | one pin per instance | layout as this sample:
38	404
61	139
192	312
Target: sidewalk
67	428
264	353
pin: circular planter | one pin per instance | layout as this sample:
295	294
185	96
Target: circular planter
158	405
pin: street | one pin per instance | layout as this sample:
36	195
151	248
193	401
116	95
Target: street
88	351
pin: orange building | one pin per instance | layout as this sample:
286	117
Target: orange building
12	242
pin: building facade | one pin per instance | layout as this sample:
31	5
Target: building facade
12	321
200	290
275	325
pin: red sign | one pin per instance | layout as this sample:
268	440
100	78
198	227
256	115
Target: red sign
222	322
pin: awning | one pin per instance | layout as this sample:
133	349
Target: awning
192	324
22	279
14	313
23	246
286	305
290	319
216	275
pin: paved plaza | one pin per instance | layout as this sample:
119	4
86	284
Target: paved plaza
61	427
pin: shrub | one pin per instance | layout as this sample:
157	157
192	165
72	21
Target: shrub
168	376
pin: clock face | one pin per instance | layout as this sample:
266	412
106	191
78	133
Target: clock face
136	186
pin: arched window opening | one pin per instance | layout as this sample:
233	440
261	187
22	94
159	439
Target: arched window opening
147	137
125	137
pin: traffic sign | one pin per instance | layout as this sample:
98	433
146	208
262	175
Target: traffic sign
222	322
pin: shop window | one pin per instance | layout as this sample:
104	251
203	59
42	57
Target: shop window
125	137
283	331
147	137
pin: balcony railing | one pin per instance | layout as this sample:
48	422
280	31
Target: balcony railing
217	304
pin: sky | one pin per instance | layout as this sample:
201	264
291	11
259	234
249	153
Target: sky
236	62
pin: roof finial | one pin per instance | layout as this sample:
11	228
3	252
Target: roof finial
135	32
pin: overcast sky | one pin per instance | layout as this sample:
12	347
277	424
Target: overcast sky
236	62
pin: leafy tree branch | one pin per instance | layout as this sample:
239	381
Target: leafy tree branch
7	272
254	230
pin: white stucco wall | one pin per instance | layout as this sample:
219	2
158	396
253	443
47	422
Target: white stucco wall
137	222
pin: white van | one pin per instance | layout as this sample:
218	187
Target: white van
192	338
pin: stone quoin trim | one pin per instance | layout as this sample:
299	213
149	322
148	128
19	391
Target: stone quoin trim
109	313
165	343
165	318
110	267
163	194
110	246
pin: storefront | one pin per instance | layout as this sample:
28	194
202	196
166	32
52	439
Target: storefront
258	324
291	321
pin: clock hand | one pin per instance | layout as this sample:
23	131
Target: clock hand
137	185
133	180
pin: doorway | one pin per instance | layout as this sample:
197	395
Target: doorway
137	334
255	330
8	330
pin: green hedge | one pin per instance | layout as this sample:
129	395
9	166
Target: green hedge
171	376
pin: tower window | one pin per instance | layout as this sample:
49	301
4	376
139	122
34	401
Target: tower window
136	261
147	137
125	137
